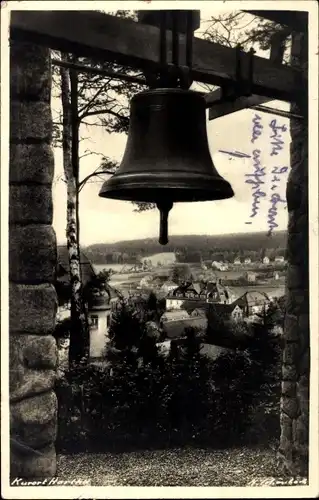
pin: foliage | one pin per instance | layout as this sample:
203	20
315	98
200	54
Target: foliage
181	273
206	246
141	398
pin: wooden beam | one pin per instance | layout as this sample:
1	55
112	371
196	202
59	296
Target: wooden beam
105	37
152	17
296	20
223	108
216	101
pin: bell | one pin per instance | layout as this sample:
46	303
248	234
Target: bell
167	157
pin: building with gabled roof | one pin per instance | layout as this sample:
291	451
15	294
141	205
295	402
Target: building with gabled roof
99	302
253	302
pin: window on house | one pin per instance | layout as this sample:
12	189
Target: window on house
108	320
94	321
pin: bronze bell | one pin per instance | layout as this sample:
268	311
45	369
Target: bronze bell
167	157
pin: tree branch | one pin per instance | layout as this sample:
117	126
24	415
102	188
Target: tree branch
93	174
104	112
89	104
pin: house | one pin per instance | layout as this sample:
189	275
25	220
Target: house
145	282
221	266
168	286
252	302
100	302
179	315
199	312
276	275
266	260
251	277
247	261
197	293
229	311
99	312
217	293
177	297
237	261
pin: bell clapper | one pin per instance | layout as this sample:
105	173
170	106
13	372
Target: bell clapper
164	208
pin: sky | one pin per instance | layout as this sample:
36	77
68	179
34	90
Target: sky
103	220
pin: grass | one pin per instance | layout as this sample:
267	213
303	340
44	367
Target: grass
174	467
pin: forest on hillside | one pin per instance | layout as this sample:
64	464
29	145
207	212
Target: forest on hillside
192	248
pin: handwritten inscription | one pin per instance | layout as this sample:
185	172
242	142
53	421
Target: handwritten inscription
276	146
255	180
237	154
277	142
266	180
257	128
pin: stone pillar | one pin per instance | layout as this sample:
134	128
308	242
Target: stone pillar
32	261
295	372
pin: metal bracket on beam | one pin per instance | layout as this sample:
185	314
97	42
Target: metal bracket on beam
175	73
242	86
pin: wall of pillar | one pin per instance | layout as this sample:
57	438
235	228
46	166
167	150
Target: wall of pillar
296	356
32	261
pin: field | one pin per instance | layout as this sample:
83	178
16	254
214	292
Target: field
129	281
164	257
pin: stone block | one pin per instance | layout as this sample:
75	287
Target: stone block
30	204
297	302
304	363
31	163
293	196
34	372
39	464
296	277
289	406
30	121
32	254
297	220
286	426
285	447
297	250
25	383
301	430
40	352
33	421
288	388
303	398
30	72
289	373
291	328
32	308
290	353
303	322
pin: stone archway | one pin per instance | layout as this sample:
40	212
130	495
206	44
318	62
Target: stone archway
33	302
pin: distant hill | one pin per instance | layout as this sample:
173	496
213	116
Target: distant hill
240	243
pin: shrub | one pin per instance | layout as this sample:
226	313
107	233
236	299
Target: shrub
184	398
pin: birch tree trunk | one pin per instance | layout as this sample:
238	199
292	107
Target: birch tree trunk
79	335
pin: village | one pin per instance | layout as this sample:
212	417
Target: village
236	292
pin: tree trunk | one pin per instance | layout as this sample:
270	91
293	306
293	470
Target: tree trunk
294	440
79	335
